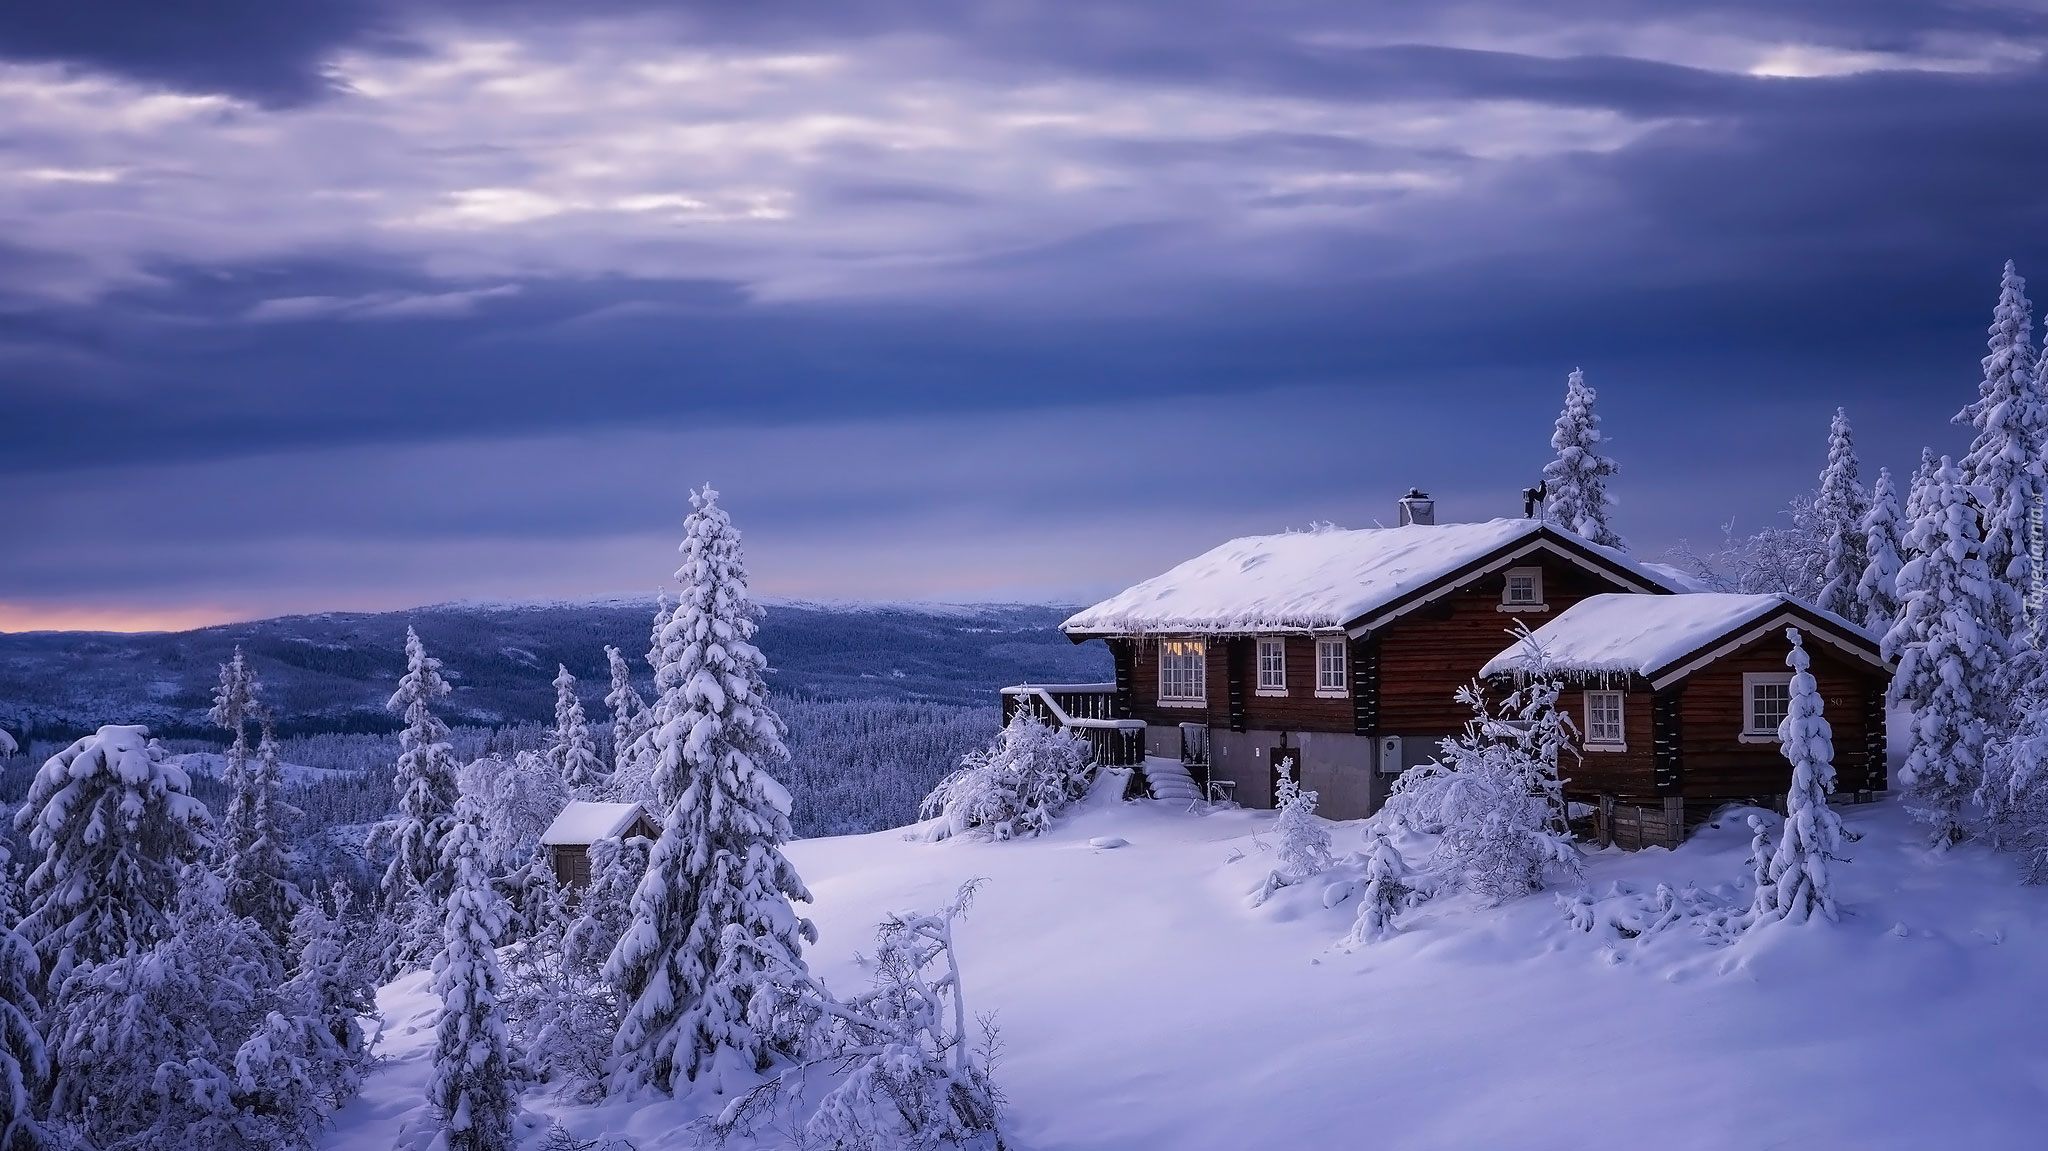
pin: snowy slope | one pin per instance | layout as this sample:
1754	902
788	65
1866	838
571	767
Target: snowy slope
1144	1004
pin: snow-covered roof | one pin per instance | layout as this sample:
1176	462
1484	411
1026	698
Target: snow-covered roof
1646	635
1319	579
584	822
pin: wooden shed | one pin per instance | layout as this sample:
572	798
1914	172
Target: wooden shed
1678	699
582	823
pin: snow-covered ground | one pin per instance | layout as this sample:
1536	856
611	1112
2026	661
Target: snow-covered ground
1144	1003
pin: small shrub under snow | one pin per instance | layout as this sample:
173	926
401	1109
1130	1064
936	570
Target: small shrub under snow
1014	787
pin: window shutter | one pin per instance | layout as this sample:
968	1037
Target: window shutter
1365	685
1668	772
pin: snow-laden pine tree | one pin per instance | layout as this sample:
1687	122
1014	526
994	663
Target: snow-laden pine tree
24	1060
113	822
1839	509
1012	788
1798	885
572	1015
235	704
571	753
414	884
1877	591
1304	842
333	990
1387	892
718	866
1575	482
629	711
2003	466
472	1084
1493	797
1948	654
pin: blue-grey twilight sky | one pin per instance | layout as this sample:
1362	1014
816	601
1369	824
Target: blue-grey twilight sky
367	303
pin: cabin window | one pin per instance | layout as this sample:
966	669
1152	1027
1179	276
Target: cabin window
1768	700
1272	667
1524	589
1332	656
1183	676
1603	720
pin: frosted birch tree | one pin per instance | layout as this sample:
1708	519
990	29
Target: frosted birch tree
1797	880
1840	507
1575	482
717	869
1877	591
1948	656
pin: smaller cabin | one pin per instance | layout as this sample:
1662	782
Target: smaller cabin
1678	700
567	840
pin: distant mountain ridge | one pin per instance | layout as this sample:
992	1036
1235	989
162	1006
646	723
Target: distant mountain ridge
332	671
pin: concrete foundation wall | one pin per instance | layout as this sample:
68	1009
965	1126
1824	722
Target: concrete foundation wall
1337	767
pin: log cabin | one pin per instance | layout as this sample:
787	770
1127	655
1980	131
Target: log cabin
567	840
1336	652
1677	700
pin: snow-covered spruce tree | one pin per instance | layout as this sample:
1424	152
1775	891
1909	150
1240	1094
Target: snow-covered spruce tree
909	1076
414	885
1877	591
2015	791
257	863
636	765
2003	466
1494	796
24	1061
1387	892
1012	788
1575	483
473	1074
235	704
718	865
334	990
1839	509
113	822
629	711
1948	655
143	1043
571	753
1798	883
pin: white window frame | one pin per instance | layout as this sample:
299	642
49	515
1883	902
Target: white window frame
1751	680
1194	675
1272	674
1507	586
1340	686
1620	740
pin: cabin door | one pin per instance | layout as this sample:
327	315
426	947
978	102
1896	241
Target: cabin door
1289	757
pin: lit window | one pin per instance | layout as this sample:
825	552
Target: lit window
1331	656
1273	665
1524	588
1770	699
1603	717
1182	674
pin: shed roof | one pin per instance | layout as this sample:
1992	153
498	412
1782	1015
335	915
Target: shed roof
584	822
1330	578
1658	637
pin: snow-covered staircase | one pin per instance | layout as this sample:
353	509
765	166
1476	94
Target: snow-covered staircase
1169	779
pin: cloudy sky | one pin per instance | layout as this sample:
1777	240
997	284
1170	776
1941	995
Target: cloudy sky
367	304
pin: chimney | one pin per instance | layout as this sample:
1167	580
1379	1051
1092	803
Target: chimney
1417	508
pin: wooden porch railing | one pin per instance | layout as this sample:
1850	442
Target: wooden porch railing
1087	709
